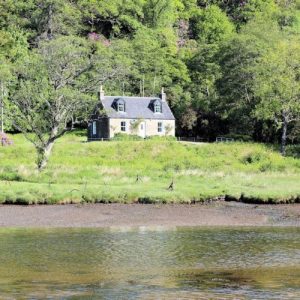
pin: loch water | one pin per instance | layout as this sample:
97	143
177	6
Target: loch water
150	263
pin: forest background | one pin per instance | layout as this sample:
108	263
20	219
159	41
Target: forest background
229	67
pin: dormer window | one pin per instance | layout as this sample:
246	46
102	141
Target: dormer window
157	107
121	107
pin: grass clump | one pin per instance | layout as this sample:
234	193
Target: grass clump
106	172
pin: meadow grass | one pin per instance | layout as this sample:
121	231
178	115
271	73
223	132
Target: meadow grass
107	171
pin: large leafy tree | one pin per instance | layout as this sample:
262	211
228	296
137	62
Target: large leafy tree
54	84
277	84
235	85
211	28
260	81
211	25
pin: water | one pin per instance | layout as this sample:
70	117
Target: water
185	263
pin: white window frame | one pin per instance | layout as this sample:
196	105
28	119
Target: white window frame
94	126
123	126
121	105
157	108
160	127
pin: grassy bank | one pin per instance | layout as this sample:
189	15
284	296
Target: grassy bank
107	172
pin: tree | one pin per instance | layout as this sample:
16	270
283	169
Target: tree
162	13
55	83
212	25
235	85
5	74
205	71
112	17
51	18
211	28
13	47
277	84
261	75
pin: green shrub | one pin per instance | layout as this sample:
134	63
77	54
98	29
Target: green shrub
162	138
239	137
126	137
293	150
255	157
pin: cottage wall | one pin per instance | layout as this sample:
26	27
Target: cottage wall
151	127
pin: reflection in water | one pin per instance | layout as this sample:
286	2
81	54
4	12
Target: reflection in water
187	263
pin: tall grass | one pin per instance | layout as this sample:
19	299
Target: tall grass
107	172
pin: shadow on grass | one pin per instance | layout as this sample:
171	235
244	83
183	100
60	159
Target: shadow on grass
79	132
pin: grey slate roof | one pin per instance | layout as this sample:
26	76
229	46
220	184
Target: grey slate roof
136	108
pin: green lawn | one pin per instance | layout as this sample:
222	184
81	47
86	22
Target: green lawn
107	171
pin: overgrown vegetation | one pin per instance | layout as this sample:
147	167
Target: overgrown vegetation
141	171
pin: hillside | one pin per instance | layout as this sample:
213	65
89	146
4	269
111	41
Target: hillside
108	171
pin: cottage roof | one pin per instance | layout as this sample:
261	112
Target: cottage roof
136	108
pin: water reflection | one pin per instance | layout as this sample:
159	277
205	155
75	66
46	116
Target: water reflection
187	263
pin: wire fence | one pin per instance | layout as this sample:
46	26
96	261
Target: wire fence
192	139
219	139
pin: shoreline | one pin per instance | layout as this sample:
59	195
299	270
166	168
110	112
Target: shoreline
226	214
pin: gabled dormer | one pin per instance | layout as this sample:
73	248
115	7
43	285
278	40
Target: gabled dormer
120	105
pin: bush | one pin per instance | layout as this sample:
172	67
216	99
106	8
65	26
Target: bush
239	137
126	137
162	138
293	150
255	157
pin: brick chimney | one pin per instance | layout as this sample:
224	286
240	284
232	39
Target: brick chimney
101	93
162	95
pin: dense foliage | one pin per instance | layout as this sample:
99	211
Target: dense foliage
229	67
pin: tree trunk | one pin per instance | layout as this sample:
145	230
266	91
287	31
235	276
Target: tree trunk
44	154
284	134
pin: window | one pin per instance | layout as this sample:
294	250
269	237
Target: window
121	107
123	126
159	127
94	127
157	108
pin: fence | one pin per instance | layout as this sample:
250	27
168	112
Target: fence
192	139
220	139
179	138
98	139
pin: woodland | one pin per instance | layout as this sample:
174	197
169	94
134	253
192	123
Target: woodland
229	67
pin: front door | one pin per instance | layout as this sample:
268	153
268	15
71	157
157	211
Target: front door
142	130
